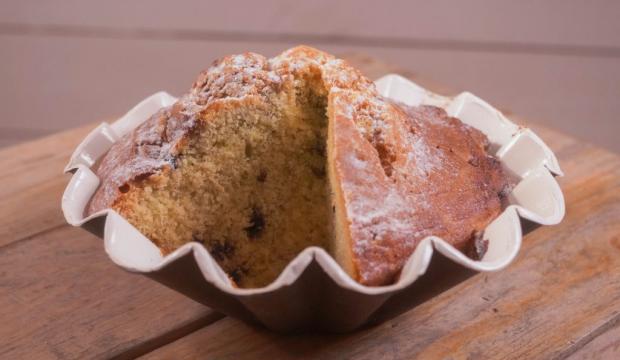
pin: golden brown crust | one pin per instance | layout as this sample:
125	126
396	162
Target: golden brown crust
419	173
402	173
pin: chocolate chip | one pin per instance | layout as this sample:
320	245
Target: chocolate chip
257	224
318	146
237	274
124	188
143	176
262	175
221	250
319	172
248	149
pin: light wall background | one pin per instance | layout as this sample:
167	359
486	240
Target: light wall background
69	63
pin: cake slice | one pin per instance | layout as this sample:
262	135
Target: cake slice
265	157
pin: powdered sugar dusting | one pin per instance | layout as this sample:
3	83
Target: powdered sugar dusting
423	180
424	160
151	147
357	163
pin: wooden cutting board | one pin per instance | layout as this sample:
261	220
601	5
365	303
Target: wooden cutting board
60	297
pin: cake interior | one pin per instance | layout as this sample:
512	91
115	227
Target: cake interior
252	187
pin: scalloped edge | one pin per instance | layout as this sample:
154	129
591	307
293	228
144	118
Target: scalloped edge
131	250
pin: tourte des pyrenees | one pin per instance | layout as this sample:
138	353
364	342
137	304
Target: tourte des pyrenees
265	157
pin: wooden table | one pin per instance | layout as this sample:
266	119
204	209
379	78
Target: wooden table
60	296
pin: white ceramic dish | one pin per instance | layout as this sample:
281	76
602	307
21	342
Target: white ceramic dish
537	197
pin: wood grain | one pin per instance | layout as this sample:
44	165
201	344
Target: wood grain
605	346
560	294
61	297
32	183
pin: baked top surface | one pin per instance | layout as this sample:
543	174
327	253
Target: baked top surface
432	176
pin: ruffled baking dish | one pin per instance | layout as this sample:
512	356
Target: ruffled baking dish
313	292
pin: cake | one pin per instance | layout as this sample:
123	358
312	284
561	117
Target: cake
263	158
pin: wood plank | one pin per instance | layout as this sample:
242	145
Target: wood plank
32	183
605	346
38	161
556	297
91	81
61	297
438	22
